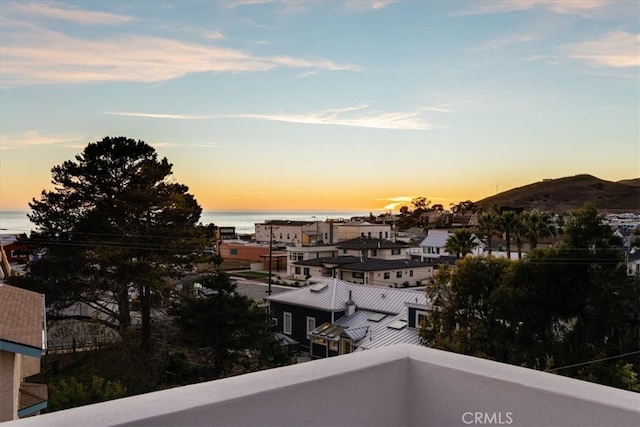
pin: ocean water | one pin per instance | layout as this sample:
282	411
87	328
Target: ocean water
16	222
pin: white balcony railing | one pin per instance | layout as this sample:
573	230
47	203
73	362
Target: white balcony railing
402	385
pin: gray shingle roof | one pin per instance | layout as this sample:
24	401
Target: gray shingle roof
368	264
21	317
369	243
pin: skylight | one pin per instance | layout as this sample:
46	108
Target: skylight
376	317
397	324
318	287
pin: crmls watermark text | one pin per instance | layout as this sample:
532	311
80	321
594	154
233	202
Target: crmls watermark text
488	418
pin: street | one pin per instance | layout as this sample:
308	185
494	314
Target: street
258	290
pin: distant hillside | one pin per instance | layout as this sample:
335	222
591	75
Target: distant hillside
570	193
634	182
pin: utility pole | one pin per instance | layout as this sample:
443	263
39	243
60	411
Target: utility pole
270	256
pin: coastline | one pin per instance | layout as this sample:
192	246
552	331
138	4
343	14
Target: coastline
14	222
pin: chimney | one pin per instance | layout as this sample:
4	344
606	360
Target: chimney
350	306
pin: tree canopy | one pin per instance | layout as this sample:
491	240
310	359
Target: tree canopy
570	308
233	334
114	217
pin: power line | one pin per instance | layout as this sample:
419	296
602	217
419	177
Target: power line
593	361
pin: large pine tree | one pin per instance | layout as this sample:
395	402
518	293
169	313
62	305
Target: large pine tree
114	217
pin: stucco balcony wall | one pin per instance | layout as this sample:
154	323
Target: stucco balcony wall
401	385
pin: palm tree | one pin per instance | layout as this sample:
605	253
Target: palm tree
461	242
519	231
488	226
538	225
507	221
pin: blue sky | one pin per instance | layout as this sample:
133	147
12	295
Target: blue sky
324	105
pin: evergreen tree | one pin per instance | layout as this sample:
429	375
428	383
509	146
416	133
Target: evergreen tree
230	329
114	216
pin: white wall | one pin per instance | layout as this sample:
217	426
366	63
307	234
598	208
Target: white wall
402	385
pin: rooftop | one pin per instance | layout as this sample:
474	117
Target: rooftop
21	320
369	243
335	295
402	385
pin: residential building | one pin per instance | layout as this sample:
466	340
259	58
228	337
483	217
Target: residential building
372	247
22	342
366	271
366	260
303	253
401	385
16	252
354	229
253	253
290	232
432	248
339	304
226	233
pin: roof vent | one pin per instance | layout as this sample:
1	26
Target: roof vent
350	306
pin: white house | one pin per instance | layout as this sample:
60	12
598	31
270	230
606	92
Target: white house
432	248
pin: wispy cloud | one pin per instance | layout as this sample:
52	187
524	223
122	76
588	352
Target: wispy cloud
578	7
616	49
46	57
238	3
508	41
68	13
32	138
396	202
368	4
357	116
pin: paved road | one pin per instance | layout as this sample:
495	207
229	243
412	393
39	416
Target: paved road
258	290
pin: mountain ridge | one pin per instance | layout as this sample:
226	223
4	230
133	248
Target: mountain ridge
570	193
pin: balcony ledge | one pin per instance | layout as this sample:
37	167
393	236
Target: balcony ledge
402	385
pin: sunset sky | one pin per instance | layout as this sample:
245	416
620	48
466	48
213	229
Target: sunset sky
358	105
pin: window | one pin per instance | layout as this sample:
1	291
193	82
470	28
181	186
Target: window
297	270
437	250
311	324
410	273
421	317
374	252
296	256
358	275
398	274
369	234
286	323
305	271
386	234
395	251
380	235
234	252
344	251
346	346
387	275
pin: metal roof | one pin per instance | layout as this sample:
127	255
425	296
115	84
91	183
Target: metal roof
383	336
436	239
336	294
328	331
